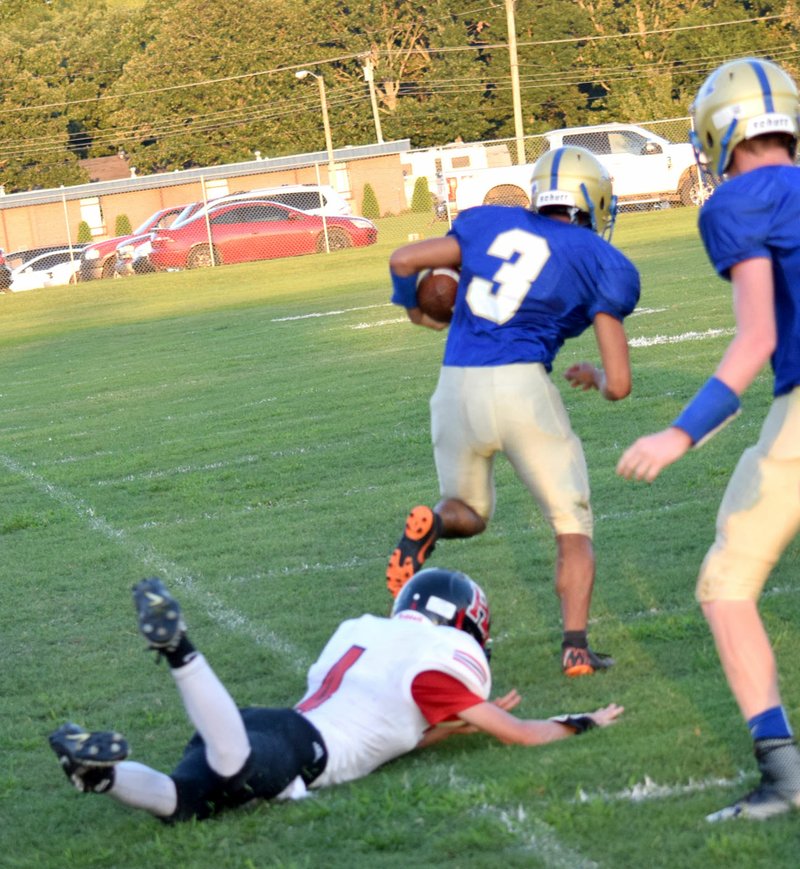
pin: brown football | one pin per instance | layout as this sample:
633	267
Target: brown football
436	293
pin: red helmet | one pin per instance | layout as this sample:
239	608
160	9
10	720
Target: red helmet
448	597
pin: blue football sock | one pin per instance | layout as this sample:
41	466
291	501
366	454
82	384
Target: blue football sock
770	724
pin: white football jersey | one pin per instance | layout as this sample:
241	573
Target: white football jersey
359	689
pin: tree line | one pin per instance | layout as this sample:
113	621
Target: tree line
198	82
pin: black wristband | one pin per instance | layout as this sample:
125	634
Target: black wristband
579	723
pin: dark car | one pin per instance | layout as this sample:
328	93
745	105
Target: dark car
244	231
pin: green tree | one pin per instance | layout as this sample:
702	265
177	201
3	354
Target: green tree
249	100
84	233
198	82
122	225
421	199
652	56
52	74
425	91
369	204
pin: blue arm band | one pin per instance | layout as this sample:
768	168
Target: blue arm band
404	290
714	405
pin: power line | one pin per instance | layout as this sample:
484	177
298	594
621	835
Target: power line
385	52
356	95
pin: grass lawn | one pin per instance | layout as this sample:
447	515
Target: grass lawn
255	435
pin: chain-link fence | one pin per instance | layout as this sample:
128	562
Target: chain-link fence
293	207
652	166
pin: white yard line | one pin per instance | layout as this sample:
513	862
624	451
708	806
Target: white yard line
650	790
679	339
653	341
379	323
639	311
540	838
174	575
315	314
178	470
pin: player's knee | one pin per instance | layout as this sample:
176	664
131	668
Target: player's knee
727	575
229	760
459	519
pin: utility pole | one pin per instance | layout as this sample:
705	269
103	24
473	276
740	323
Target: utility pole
511	25
369	77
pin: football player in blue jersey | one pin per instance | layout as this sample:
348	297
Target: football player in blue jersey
746	123
529	279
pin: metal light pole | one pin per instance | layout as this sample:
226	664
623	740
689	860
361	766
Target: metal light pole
369	77
304	73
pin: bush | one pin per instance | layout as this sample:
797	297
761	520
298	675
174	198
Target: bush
421	200
84	233
122	225
369	205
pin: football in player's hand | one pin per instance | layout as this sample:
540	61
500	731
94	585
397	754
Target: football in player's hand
436	293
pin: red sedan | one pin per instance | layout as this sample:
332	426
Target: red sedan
242	231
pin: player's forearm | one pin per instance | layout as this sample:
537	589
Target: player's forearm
746	355
495	721
536	732
430	253
614	378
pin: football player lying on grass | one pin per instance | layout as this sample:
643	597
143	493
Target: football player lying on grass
377	691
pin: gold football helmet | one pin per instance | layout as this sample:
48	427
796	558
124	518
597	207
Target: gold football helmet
575	178
740	100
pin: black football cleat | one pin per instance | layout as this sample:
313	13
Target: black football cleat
779	790
88	758
583	662
160	620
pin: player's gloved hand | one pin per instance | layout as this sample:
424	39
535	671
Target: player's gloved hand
582	722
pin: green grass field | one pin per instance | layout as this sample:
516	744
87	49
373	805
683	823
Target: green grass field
255	435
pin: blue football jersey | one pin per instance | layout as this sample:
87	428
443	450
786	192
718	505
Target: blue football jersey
757	214
528	283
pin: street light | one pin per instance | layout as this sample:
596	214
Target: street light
304	73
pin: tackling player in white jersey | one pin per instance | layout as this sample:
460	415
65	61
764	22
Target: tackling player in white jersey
379	689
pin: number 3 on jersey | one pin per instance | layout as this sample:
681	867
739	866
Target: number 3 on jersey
512	279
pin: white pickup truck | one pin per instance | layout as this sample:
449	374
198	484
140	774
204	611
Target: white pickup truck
645	168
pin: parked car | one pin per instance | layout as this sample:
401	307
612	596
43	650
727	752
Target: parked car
54	268
5	272
319	199
645	168
311	198
99	259
254	230
16	258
